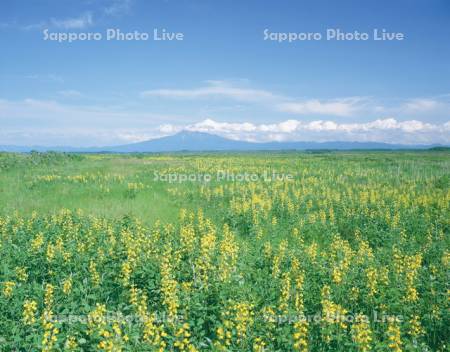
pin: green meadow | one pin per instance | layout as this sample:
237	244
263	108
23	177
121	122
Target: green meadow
282	251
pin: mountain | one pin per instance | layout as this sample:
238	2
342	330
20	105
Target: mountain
185	140
199	141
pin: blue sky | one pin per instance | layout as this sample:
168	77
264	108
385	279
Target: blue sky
223	77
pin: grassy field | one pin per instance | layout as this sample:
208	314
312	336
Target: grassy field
343	251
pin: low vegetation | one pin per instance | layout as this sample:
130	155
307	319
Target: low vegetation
289	252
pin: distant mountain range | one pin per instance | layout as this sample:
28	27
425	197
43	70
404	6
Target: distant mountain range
198	141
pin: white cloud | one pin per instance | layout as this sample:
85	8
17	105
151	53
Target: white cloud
436	108
35	121
421	105
214	89
83	21
169	129
288	126
223	89
382	130
114	8
335	107
118	7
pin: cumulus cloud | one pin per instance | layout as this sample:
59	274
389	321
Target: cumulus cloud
382	130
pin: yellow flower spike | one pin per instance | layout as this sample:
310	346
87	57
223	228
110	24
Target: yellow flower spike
48	296
169	286
372	280
67	285
50	331
95	276
259	345
228	254
21	274
285	293
126	273
394	338
29	312
361	333
71	343
415	327
300	336
8	288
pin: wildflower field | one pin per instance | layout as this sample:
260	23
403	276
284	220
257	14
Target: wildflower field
255	252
